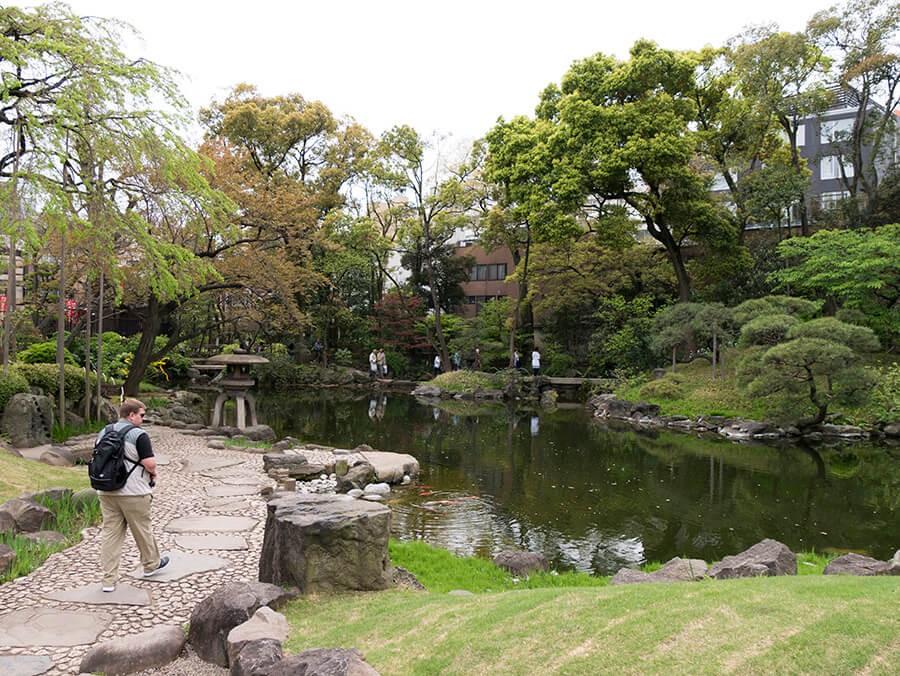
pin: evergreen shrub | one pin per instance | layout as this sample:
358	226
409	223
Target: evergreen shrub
664	388
46	377
13	383
43	353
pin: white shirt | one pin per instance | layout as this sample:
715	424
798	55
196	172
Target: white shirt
535	360
373	361
437	361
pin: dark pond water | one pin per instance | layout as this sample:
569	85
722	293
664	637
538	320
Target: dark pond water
597	499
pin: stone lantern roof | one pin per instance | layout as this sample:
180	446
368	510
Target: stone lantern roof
238	358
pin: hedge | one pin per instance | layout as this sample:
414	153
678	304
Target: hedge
46	377
12	384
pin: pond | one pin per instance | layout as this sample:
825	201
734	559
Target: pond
596	499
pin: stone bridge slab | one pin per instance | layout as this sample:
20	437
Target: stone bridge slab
43	627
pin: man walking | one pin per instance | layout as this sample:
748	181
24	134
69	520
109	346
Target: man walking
536	362
129	506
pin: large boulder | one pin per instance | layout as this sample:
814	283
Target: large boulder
295	465
322	662
427	391
7	522
7	557
58	456
521	563
855	564
324	543
255	657
108	412
52	494
675	570
358	476
766	558
392	467
259	432
28	514
28	420
229	606
266	624
155	647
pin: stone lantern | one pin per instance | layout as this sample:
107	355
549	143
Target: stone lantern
236	385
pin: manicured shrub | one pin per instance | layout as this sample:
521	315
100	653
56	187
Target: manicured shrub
343	356
766	330
46	377
12	384
43	353
664	388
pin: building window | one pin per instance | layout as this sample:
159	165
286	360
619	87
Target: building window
479	273
801	135
496	271
830	167
470	300
829	200
832	131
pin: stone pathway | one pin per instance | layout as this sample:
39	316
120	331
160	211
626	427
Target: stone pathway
38	617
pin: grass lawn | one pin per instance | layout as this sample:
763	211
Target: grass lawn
18	475
809	624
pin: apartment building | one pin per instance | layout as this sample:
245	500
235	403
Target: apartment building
486	278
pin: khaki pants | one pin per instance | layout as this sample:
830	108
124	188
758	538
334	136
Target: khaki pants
121	512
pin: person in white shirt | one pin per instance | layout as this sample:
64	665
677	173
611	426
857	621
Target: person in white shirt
536	362
373	364
437	365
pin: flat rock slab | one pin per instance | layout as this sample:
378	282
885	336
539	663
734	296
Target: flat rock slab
227	505
248	480
223	472
211	542
124	594
202	463
25	665
181	565
226	491
210	524
42	627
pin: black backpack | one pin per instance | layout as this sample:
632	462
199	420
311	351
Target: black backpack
107	469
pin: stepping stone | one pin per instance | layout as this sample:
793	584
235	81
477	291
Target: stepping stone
124	594
227	501
210	524
162	459
25	665
181	565
225	491
228	507
211	542
42	627
202	463
245	480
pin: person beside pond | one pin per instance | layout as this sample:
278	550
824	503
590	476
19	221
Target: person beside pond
517	359
536	362
317	351
382	363
373	364
457	360
437	365
476	363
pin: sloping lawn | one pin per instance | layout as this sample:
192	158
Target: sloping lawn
18	475
785	625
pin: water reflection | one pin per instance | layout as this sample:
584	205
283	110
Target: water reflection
596	499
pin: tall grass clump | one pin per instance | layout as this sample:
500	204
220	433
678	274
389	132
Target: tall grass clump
465	381
61	432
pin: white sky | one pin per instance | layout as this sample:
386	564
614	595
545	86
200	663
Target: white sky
451	67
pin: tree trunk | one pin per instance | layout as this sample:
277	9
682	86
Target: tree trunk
150	326
87	355
100	345
61	328
673	359
439	333
714	351
722	360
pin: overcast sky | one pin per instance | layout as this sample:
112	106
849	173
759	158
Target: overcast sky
451	67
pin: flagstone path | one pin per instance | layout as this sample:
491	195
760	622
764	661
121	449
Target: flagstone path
39	615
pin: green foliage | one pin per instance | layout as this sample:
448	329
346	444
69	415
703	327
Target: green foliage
673	327
43	353
344	356
857	338
61	432
279	371
622	341
766	330
774	305
12	384
858	268
663	388
397	363
554	363
46	377
886	393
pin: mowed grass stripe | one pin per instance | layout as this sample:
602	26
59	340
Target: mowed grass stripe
771	625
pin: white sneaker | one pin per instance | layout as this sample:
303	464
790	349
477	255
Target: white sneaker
109	589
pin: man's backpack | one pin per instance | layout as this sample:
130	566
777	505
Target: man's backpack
108	469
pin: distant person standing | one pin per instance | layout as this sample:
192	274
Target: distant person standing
536	362
437	365
128	508
317	351
476	364
382	363
517	359
457	360
373	364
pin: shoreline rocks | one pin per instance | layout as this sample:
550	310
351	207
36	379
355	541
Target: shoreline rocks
607	407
